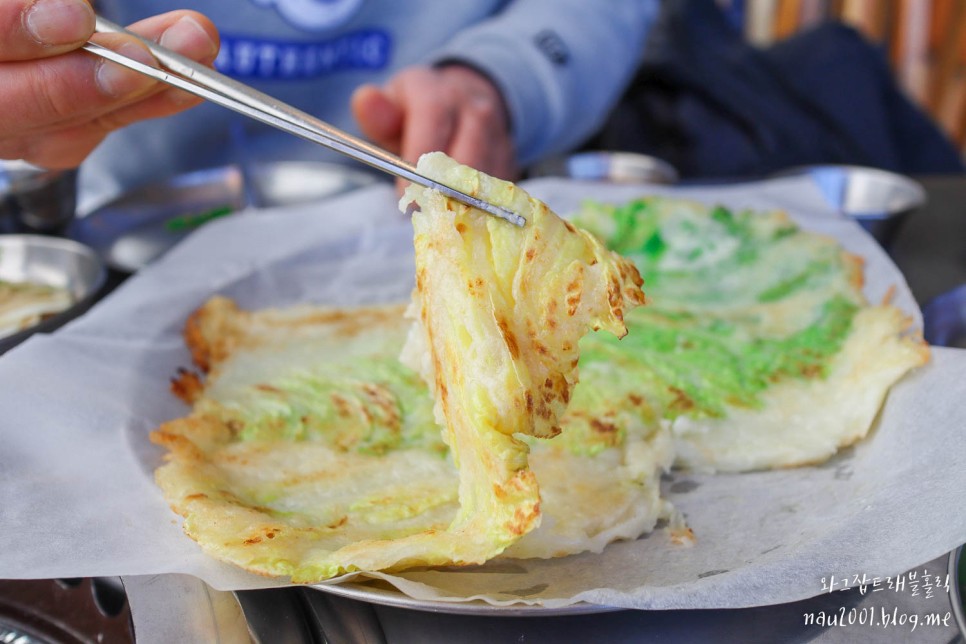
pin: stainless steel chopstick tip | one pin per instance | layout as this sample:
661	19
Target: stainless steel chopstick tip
512	217
502	213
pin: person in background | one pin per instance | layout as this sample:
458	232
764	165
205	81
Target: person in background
496	84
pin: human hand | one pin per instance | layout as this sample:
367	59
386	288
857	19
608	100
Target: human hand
58	103
453	108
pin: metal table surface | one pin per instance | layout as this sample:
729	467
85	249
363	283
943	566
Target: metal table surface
180	608
930	248
931	251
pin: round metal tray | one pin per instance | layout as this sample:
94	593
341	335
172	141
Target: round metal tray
878	200
957	578
139	226
376	592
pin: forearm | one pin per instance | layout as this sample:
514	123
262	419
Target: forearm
560	65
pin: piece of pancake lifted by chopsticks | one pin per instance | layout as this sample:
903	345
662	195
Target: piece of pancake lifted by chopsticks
311	451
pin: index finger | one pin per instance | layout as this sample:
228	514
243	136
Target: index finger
41	28
428	113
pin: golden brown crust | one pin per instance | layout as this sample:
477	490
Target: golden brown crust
176	443
187	386
204	432
855	269
219	328
209	334
196	342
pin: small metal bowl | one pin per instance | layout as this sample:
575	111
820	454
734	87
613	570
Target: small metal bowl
611	167
877	199
34	199
56	262
944	319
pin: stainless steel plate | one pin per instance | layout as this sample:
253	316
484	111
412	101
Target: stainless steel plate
56	262
377	592
957	587
139	226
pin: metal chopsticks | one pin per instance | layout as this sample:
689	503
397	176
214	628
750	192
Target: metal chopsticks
192	77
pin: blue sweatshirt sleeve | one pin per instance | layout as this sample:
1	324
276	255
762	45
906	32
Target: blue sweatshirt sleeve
561	65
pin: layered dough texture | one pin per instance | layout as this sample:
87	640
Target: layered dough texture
327	460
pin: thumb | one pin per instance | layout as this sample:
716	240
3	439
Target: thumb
43	28
380	118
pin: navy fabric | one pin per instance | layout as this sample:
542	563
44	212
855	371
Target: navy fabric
715	106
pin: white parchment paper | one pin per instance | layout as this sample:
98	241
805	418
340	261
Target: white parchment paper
77	496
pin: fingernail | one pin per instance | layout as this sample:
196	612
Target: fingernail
117	81
59	22
189	38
